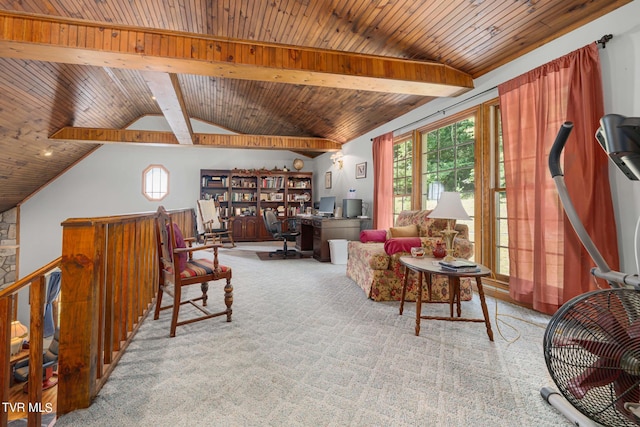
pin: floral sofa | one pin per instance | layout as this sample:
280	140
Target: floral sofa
375	266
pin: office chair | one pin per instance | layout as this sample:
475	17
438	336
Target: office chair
274	226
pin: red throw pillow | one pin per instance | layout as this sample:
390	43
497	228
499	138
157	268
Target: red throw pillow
401	244
373	236
182	257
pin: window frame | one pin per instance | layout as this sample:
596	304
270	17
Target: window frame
485	177
491	187
476	113
414	188
148	194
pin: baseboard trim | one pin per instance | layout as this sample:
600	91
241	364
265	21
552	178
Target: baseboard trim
500	292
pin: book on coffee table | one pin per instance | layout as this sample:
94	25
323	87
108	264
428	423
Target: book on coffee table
458	264
460	269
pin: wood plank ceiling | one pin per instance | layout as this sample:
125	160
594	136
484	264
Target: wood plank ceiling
44	90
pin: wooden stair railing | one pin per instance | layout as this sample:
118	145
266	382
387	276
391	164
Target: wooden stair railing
36	281
108	285
109	279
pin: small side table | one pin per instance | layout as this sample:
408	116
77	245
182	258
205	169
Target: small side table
428	267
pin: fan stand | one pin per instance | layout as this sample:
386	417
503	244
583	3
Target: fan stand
563	406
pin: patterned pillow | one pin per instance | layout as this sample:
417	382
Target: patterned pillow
182	257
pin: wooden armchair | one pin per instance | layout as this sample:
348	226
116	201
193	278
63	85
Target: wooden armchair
178	268
215	228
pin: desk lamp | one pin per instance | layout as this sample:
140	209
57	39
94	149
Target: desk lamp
19	333
449	207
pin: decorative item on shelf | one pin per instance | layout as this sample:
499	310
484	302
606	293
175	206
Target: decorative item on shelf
19	334
417	252
304	197
449	207
284	168
336	158
298	164
439	250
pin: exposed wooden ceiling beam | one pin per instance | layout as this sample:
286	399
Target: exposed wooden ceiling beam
62	40
166	90
103	136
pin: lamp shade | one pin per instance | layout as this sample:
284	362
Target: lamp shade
18	334
449	207
18	330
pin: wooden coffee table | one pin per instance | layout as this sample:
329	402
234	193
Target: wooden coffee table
430	266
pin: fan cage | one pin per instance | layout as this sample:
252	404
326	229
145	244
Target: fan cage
592	352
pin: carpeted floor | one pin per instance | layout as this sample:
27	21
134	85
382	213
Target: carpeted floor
306	348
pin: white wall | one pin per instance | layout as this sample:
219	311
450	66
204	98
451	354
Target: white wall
109	180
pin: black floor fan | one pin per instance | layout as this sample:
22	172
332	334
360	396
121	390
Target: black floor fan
592	343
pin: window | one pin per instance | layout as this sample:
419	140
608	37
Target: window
462	153
448	163
500	236
402	176
155	182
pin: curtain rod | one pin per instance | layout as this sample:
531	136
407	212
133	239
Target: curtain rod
444	110
603	41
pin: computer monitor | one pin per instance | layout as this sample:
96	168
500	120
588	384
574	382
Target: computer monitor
327	205
351	208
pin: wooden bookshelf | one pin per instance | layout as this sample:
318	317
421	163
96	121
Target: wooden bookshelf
244	194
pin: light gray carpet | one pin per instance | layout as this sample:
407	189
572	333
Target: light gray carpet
306	348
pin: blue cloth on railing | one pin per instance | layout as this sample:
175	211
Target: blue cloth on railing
53	290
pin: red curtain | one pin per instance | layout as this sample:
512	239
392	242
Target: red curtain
383	181
548	265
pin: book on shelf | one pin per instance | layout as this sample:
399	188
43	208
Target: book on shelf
458	264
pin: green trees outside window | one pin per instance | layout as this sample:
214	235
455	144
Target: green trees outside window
402	176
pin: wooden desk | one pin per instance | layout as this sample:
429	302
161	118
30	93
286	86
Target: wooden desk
315	233
429	266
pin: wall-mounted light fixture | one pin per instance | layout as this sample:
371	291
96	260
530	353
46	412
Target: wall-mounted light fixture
336	158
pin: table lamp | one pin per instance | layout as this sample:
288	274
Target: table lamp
449	207
19	333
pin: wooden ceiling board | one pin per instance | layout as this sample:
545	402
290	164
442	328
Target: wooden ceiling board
473	29
474	36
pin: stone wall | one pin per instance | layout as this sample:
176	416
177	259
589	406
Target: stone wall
8	246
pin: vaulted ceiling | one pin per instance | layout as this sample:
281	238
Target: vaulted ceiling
303	75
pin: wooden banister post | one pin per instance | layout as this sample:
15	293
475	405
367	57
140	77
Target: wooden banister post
36	332
82	246
5	354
